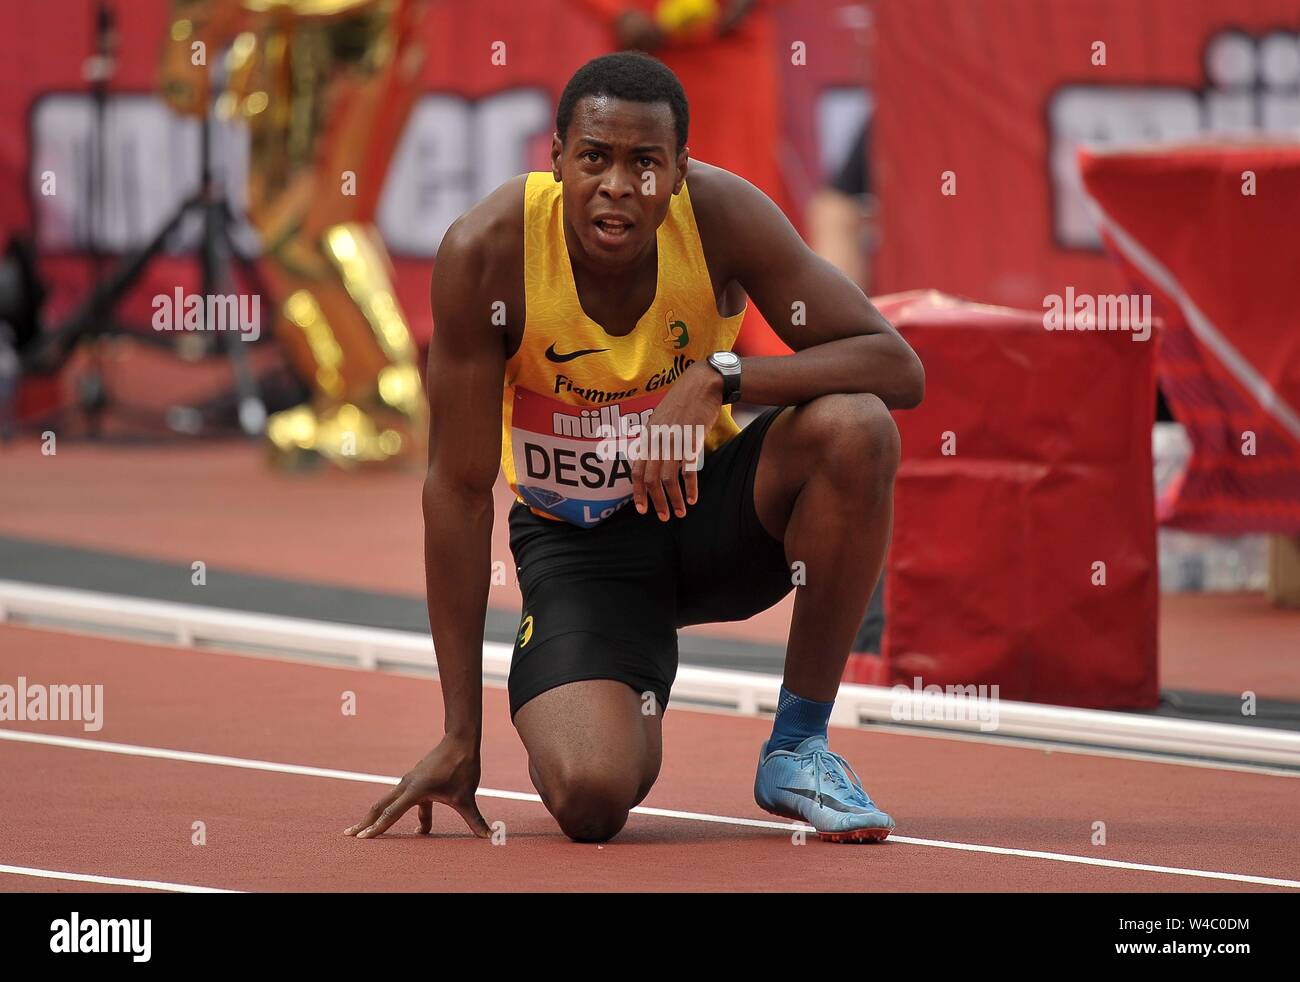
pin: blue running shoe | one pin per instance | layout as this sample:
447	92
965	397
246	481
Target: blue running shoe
820	787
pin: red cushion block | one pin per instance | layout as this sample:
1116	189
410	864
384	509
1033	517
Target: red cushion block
990	576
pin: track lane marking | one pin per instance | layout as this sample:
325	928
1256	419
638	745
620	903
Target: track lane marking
244	763
113	881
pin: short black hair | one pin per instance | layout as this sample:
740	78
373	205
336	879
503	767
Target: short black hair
625	75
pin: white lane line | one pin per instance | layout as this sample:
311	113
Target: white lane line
112	881
131	750
1090	861
162	753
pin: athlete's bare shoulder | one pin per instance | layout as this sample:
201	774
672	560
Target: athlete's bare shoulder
487	240
713	182
715	193
733	216
481	258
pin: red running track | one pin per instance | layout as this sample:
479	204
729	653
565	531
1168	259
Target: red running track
88	812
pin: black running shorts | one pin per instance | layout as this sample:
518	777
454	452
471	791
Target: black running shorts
605	602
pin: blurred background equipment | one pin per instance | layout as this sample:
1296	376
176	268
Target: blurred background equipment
324	88
96	317
21	293
21	296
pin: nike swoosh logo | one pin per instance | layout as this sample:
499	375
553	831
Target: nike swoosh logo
553	355
827	800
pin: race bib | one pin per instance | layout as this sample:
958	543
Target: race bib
567	459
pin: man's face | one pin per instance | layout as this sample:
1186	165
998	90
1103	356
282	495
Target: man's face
620	169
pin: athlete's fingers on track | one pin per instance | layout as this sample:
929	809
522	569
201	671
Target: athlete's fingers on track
426	817
468	810
375	811
390	815
691	476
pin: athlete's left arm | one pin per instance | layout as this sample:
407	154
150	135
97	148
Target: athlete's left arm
842	343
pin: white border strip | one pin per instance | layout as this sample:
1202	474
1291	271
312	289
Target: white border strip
1205	330
743	692
112	881
131	750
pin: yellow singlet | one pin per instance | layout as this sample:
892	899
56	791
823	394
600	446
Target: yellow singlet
572	390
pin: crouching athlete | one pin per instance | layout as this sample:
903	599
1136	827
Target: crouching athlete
604	294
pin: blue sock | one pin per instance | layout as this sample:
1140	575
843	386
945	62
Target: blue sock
797	719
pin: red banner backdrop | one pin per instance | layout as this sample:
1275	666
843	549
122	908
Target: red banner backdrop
1214	234
981	106
995	95
476	124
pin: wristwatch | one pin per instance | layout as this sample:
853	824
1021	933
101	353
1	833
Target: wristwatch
727	364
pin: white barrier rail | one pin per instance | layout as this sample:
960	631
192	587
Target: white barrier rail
748	693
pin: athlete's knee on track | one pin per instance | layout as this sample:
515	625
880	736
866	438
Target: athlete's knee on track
591	805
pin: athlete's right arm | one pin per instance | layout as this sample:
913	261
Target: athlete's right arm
466	369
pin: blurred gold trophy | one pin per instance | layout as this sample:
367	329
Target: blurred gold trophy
324	87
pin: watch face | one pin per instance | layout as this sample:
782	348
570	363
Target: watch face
726	359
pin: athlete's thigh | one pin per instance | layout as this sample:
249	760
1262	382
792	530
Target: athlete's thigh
597	604
595	733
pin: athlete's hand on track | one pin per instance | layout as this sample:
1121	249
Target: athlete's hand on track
690	407
448	774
